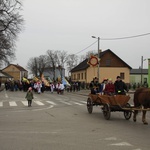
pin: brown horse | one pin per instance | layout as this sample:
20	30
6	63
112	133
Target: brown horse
141	99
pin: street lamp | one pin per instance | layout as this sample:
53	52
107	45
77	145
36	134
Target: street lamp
98	72
142	60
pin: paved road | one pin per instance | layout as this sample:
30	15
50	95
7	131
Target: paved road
62	122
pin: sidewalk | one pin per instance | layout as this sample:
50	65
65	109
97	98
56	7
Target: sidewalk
2	87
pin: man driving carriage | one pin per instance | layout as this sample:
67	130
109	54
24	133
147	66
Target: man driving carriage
94	86
120	86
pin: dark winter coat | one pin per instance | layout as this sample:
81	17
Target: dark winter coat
120	87
29	95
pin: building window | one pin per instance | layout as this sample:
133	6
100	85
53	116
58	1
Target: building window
78	76
108	62
145	80
82	76
122	75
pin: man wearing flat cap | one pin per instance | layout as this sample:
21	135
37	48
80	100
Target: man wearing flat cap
94	86
120	86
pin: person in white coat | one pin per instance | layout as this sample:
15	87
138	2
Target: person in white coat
62	87
39	86
52	87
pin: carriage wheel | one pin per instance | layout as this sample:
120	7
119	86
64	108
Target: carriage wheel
127	113
106	111
89	105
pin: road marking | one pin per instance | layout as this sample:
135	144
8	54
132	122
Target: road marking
1	104
121	144
83	102
77	103
25	103
39	103
65	103
12	104
50	102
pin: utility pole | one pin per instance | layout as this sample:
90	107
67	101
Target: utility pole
98	69
141	70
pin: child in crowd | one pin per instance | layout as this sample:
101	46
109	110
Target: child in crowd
29	96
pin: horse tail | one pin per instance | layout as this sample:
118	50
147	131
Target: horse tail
136	98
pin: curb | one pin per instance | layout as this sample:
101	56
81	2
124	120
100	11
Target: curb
2	88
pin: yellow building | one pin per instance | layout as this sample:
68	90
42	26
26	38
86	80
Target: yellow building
111	66
16	71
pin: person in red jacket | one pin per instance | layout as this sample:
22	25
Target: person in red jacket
110	88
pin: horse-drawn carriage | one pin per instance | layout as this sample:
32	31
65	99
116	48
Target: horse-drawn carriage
110	104
120	103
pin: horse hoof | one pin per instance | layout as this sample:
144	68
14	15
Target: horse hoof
134	120
145	123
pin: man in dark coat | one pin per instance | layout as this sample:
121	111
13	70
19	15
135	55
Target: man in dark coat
94	86
120	86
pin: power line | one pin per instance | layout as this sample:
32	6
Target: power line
119	38
86	48
127	37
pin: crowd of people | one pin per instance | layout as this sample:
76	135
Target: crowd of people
107	87
37	86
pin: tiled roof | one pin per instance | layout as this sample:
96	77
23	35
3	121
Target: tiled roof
17	66
83	65
118	58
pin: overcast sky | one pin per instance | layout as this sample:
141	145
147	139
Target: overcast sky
69	24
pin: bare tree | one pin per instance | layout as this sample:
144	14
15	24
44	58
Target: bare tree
90	53
72	61
52	60
62	58
10	25
32	65
42	63
83	57
37	65
52	57
57	59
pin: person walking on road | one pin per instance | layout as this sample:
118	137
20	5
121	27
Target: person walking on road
29	96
